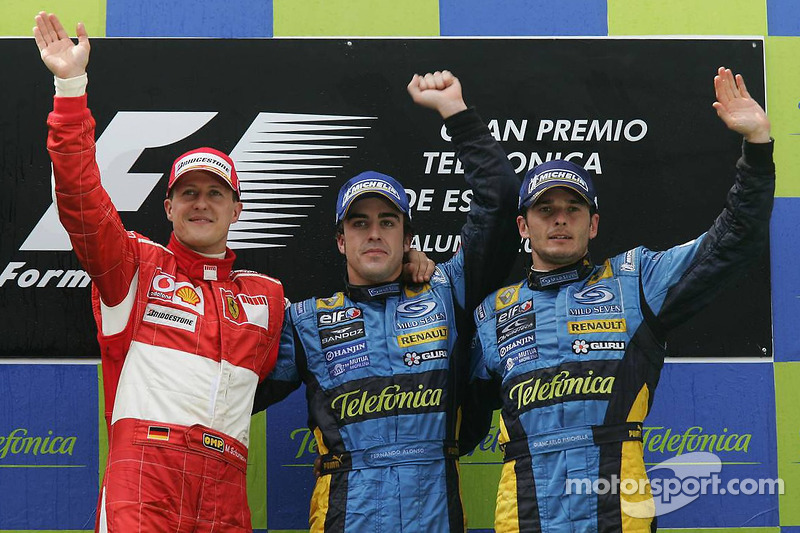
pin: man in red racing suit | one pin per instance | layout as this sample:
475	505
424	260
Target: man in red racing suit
184	339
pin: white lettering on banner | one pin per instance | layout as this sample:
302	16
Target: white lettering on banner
522	163
592	130
436	243
451	200
510	128
272	145
35	277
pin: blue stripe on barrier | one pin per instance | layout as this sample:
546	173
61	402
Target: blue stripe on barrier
523	17
189	18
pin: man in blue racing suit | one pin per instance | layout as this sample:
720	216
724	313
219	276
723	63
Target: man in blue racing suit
385	363
573	354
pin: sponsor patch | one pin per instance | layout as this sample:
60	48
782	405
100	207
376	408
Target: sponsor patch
340	352
166	288
167	316
438	277
421	337
580	346
513	312
416	358
604	272
413	290
616	325
599	294
430	319
517	344
300	308
528	354
243	309
346	366
514	327
506	297
340	315
158	433
481	312
560	175
214	442
390	288
595	300
332	302
210	272
628	264
415	308
580	380
544	281
342	334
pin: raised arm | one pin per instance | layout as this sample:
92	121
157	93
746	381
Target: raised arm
98	237
685	278
489	239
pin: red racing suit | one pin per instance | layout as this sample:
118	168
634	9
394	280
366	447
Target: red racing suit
184	342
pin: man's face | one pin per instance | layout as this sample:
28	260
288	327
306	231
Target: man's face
202	210
373	241
559	226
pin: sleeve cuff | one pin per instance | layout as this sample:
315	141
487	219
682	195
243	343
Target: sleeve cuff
71	86
465	125
758	155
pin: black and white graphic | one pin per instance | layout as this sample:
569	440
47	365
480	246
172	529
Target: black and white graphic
635	112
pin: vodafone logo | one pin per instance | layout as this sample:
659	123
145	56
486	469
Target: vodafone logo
164	287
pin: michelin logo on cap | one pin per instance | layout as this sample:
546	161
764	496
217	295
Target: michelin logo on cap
372	185
560	175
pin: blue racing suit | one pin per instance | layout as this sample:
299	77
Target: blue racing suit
573	357
385	367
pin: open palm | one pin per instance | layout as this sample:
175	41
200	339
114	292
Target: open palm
64	58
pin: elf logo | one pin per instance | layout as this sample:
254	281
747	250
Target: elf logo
273	143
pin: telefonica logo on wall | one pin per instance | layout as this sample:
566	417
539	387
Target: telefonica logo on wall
665	440
21	443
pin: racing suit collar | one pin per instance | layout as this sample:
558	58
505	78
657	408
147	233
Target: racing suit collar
368	293
199	267
579	270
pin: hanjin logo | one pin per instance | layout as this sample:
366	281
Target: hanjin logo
274	144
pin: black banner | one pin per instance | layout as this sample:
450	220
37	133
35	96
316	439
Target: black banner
301	116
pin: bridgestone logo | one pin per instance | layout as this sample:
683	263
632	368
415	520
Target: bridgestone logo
166	316
203	160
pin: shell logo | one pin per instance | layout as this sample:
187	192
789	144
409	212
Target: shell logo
188	295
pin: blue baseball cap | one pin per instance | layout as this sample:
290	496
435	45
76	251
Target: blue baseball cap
371	182
556	173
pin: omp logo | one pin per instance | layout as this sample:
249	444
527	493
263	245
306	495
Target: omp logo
594	295
275	159
213	442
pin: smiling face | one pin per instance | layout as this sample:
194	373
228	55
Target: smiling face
202	208
559	226
373	241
